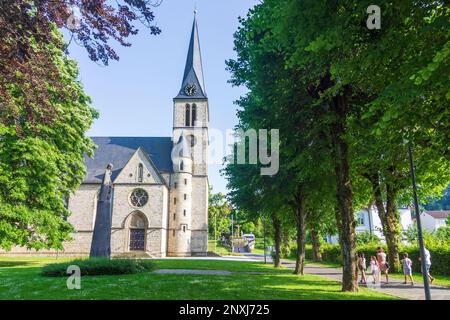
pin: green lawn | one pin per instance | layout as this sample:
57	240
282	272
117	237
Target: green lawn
219	249
22	279
418	278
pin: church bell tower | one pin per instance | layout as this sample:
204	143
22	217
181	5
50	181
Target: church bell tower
188	234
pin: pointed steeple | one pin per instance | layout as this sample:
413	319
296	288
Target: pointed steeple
193	85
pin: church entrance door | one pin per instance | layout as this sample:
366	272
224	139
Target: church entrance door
137	239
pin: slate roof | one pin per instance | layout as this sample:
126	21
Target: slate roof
193	72
118	150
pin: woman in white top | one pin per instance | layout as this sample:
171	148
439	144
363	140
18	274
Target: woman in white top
374	269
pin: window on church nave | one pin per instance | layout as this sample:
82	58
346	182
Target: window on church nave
140	173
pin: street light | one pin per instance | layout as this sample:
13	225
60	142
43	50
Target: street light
426	284
215	232
232	233
264	234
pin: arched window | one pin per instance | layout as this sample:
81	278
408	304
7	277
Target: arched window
138	226
138	221
181	165
140	173
188	115
194	114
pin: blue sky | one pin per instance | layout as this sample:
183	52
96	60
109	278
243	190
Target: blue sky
134	96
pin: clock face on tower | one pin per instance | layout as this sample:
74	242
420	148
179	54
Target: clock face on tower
190	89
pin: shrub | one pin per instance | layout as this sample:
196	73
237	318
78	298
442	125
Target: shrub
99	266
367	237
440	254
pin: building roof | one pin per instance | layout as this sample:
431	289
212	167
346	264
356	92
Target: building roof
118	150
438	214
193	71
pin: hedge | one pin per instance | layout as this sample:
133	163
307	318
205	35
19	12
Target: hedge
99	266
440	255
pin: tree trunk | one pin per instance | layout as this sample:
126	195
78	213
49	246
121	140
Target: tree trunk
277	239
389	220
344	193
392	230
285	243
315	239
300	219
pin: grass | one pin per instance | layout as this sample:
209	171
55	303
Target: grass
418	278
218	248
22	279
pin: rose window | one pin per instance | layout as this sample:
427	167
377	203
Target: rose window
139	198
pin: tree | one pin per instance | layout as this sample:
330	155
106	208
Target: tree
339	92
41	165
26	62
440	204
219	211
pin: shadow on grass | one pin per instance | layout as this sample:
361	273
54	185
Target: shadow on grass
27	283
11	264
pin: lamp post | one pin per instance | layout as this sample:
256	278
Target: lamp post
232	233
264	234
215	232
426	284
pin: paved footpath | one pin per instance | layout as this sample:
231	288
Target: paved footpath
395	286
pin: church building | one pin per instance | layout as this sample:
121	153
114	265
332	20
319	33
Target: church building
159	199
160	184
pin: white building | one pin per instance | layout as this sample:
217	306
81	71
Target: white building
368	220
432	220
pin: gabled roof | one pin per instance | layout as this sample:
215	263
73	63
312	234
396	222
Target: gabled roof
438	214
118	150
193	71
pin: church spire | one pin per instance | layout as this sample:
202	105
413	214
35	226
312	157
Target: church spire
193	85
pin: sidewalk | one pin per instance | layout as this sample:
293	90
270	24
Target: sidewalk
395	286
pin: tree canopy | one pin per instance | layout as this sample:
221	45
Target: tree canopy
347	100
41	164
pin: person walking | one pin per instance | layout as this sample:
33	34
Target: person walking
428	264
374	269
382	263
362	266
407	268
